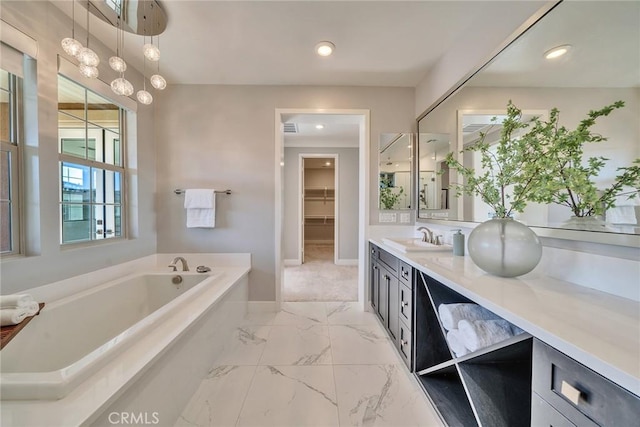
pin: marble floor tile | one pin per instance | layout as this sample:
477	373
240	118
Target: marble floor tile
381	395
361	345
245	346
297	345
301	314
348	313
219	398
291	396
258	318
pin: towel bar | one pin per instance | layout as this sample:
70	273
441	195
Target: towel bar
181	191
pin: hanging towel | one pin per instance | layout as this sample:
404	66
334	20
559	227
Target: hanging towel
13	316
451	314
17	300
477	334
201	208
455	343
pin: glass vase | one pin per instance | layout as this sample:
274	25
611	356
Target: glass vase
504	247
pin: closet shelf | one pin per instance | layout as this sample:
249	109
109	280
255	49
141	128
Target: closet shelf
318	219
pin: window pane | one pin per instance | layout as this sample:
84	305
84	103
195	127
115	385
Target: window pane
112	221
5	175
112	147
72	134
117	219
5	116
96	145
5	227
71	98
4	79
76	222
76	183
111	187
101	111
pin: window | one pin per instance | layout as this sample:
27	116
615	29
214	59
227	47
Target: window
10	133
91	164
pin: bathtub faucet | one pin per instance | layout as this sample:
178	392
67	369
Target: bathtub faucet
185	266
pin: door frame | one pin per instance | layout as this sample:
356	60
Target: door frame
364	139
336	210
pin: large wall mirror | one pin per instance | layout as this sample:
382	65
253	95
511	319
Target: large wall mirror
601	66
395	161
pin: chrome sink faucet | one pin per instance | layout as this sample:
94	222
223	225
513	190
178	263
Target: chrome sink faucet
185	266
427	235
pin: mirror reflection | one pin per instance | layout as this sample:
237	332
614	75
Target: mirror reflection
601	67
433	179
394	160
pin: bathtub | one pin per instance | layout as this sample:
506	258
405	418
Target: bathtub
75	336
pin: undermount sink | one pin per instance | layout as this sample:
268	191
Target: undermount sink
414	245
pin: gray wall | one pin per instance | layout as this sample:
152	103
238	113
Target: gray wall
347	200
46	261
223	137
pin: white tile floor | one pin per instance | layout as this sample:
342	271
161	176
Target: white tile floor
312	364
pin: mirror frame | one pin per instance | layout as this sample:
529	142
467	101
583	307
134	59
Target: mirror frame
627	240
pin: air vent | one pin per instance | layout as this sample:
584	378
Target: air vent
290	128
473	127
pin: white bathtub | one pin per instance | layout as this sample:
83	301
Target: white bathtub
74	337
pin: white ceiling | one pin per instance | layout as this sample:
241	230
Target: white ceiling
378	43
340	130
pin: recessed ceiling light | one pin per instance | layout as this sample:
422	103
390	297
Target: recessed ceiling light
328	163
319	126
557	51
397	165
325	48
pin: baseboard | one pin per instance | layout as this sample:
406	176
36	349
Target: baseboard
261	307
292	261
347	262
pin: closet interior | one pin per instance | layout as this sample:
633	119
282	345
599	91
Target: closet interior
319	201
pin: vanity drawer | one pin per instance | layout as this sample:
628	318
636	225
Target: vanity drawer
543	414
405	343
389	261
405	298
405	274
580	394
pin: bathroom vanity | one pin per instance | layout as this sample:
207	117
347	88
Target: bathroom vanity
576	362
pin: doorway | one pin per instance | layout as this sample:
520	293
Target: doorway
360	198
319	211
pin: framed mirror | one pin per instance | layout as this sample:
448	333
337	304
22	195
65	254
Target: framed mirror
601	66
395	161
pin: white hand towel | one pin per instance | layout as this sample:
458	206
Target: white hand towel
455	343
17	300
477	334
451	314
622	215
201	208
12	316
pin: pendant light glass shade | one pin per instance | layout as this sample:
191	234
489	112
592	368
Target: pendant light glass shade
122	86
144	97
89	71
88	57
117	64
158	82
71	46
151	52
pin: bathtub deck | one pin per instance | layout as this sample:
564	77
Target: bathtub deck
94	395
8	332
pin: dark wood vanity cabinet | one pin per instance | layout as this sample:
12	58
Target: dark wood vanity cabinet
391	298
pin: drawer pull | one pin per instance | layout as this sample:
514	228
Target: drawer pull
403	304
403	343
373	251
570	392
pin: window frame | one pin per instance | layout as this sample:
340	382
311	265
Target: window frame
14	146
93	165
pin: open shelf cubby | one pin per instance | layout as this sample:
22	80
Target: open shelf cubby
488	387
447	393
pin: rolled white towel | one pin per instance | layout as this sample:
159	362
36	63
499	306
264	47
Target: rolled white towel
477	334
17	300
455	343
451	314
12	316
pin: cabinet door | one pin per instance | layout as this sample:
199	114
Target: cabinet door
375	285
383	295
394	307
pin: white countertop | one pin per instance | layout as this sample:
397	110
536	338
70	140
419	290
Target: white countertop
599	330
